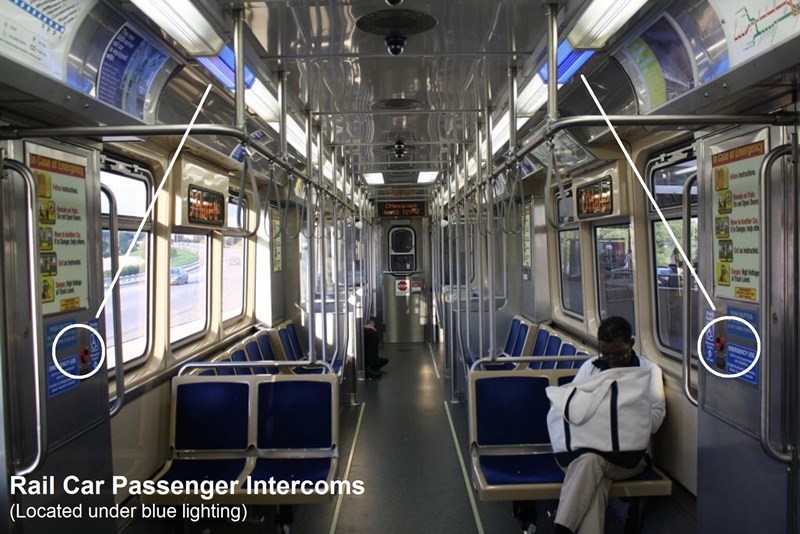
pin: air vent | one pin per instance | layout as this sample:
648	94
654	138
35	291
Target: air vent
402	104
396	22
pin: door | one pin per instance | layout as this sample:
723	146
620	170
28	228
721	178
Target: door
405	281
748	267
52	282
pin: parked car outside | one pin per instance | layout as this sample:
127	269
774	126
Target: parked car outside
178	276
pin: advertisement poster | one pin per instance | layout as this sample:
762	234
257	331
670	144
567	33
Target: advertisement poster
63	255
277	244
526	237
38	33
736	221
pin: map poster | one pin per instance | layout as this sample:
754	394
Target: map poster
754	26
63	250
737	221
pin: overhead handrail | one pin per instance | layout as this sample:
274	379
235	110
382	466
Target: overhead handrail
116	313
765	384
36	315
260	363
687	293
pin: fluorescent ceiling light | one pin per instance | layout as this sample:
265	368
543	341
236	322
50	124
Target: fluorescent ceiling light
373	178
184	23
223	66
601	20
427	177
261	100
532	97
569	62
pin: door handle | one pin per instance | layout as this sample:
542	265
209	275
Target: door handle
36	315
687	293
116	309
784	455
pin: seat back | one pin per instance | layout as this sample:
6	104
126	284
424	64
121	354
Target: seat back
239	356
508	408
254	355
297	412
511	339
540	343
294	339
210	413
522	336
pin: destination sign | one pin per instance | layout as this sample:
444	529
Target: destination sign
401	209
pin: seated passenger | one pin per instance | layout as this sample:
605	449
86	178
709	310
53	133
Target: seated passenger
372	360
584	494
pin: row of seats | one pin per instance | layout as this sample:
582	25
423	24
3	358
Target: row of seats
280	343
512	458
225	428
526	338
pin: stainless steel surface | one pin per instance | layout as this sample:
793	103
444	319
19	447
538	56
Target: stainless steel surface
687	293
491	256
323	257
40	401
119	360
784	454
310	211
238	52
283	119
552	62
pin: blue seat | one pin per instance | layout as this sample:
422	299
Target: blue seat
225	371
497	400
511	339
295	341
552	349
567	349
208	372
200	405
239	356
288	347
540	344
254	355
297	414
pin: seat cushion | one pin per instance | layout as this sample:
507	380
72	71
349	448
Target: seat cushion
312	469
205	469
521	469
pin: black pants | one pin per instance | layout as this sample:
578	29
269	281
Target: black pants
371	347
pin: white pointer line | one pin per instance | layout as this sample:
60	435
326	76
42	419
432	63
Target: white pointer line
686	261
153	202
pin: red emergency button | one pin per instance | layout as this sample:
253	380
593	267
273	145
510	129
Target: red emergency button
720	344
84	355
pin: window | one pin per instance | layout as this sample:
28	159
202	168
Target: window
668	176
233	265
132	194
615	274
402	249
570	265
188	285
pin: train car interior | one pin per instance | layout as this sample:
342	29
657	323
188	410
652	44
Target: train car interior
399	266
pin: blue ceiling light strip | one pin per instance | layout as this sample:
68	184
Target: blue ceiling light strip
569	62
222	68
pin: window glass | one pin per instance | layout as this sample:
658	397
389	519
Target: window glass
402	240
566	207
669	274
233	268
402	255
614	271
131	195
570	264
133	294
668	183
188	285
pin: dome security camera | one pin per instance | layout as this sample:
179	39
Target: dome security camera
395	44
394	2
